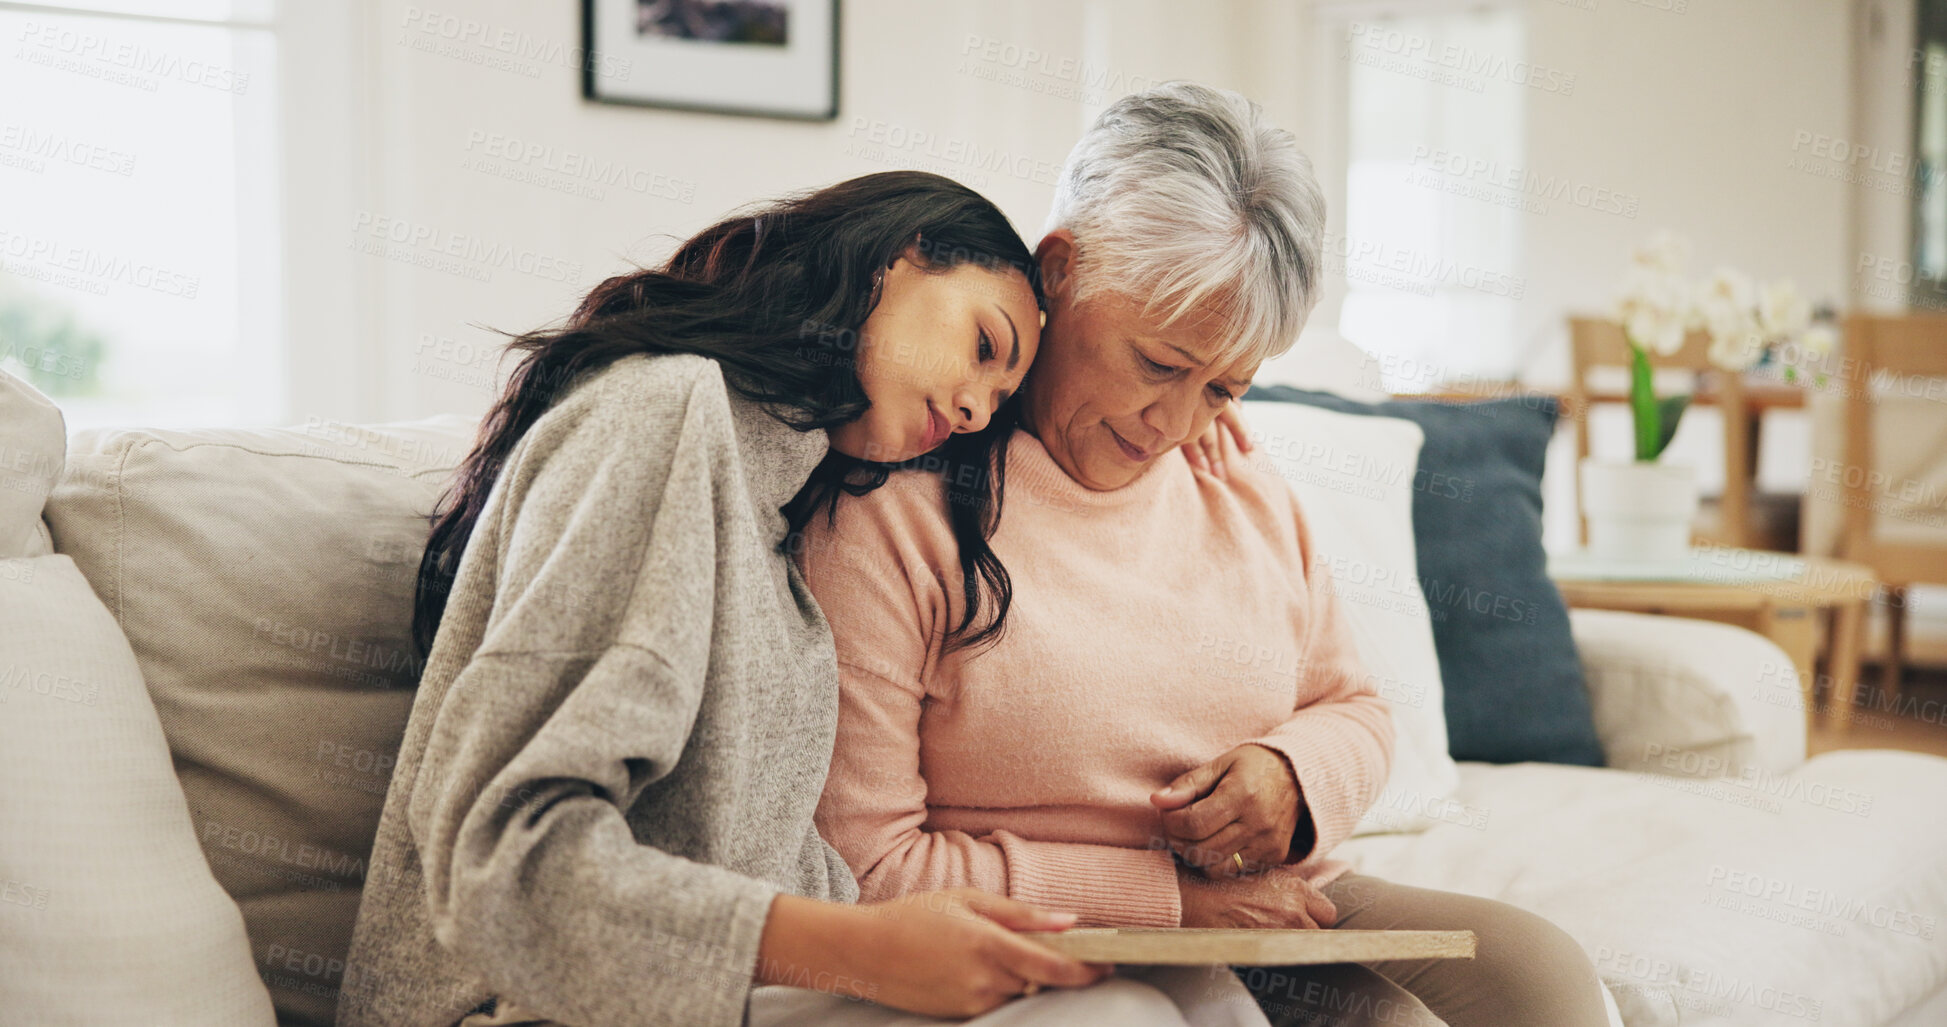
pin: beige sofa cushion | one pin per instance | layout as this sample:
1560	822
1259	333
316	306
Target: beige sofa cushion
1362	528
32	441
108	912
264	579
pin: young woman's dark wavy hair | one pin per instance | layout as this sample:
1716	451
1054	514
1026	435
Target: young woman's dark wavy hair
778	295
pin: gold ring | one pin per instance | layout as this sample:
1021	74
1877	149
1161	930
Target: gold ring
1033	986
1239	857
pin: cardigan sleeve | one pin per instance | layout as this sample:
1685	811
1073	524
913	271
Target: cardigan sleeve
883	574
1339	740
581	694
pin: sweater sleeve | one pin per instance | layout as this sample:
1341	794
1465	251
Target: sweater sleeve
1339	740
883	575
581	695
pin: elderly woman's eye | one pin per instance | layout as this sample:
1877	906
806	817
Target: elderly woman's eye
1222	394
1153	367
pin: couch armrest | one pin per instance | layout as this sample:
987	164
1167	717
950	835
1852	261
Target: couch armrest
1689	698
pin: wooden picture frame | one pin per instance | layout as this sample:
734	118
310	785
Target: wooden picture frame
759	58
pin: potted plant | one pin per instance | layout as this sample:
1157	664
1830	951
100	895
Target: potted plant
1640	510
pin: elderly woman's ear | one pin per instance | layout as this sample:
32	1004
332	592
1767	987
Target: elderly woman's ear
1056	255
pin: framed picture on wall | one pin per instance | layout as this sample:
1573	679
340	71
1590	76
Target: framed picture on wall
771	58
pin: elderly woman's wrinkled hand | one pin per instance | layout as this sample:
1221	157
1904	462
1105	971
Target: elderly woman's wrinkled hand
1226	439
1278	898
1235	815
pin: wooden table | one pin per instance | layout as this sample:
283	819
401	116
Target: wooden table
1760	395
1744	400
1785	610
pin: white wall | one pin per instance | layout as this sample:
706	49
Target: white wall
1693	114
1700	114
1709	118
955	74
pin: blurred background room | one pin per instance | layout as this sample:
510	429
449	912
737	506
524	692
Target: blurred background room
242	212
1618	427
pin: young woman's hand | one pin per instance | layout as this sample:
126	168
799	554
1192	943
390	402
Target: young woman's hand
1220	443
947	953
1277	898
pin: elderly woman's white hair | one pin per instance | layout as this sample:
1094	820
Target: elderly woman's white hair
1184	197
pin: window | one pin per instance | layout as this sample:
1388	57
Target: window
1930	146
1434	148
139	228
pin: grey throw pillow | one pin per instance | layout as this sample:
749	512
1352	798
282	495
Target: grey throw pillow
1514	686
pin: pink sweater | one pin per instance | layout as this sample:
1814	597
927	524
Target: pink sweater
1154	627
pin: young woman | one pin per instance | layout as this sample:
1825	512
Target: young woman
602	811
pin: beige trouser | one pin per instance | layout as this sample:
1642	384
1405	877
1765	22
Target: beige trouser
1526	972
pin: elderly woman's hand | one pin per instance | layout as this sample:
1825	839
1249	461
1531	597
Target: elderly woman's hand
1223	439
1278	899
1234	815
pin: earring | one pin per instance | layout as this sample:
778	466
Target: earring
1044	319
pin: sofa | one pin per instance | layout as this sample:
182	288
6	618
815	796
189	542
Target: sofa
207	670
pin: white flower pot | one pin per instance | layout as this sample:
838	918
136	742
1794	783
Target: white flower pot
1639	511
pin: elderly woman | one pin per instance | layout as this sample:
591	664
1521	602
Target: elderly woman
1100	755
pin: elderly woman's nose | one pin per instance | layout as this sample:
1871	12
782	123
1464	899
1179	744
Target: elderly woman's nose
1172	418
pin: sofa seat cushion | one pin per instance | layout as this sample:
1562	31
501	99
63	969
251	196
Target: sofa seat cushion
1812	896
264	579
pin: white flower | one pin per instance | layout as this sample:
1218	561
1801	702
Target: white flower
1737	349
1721	316
1726	287
1820	339
1653	306
1659	333
1724	309
1782	310
1743	320
1654	277
1666	251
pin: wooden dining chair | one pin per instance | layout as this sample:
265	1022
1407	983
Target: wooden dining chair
1888	351
1598	342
